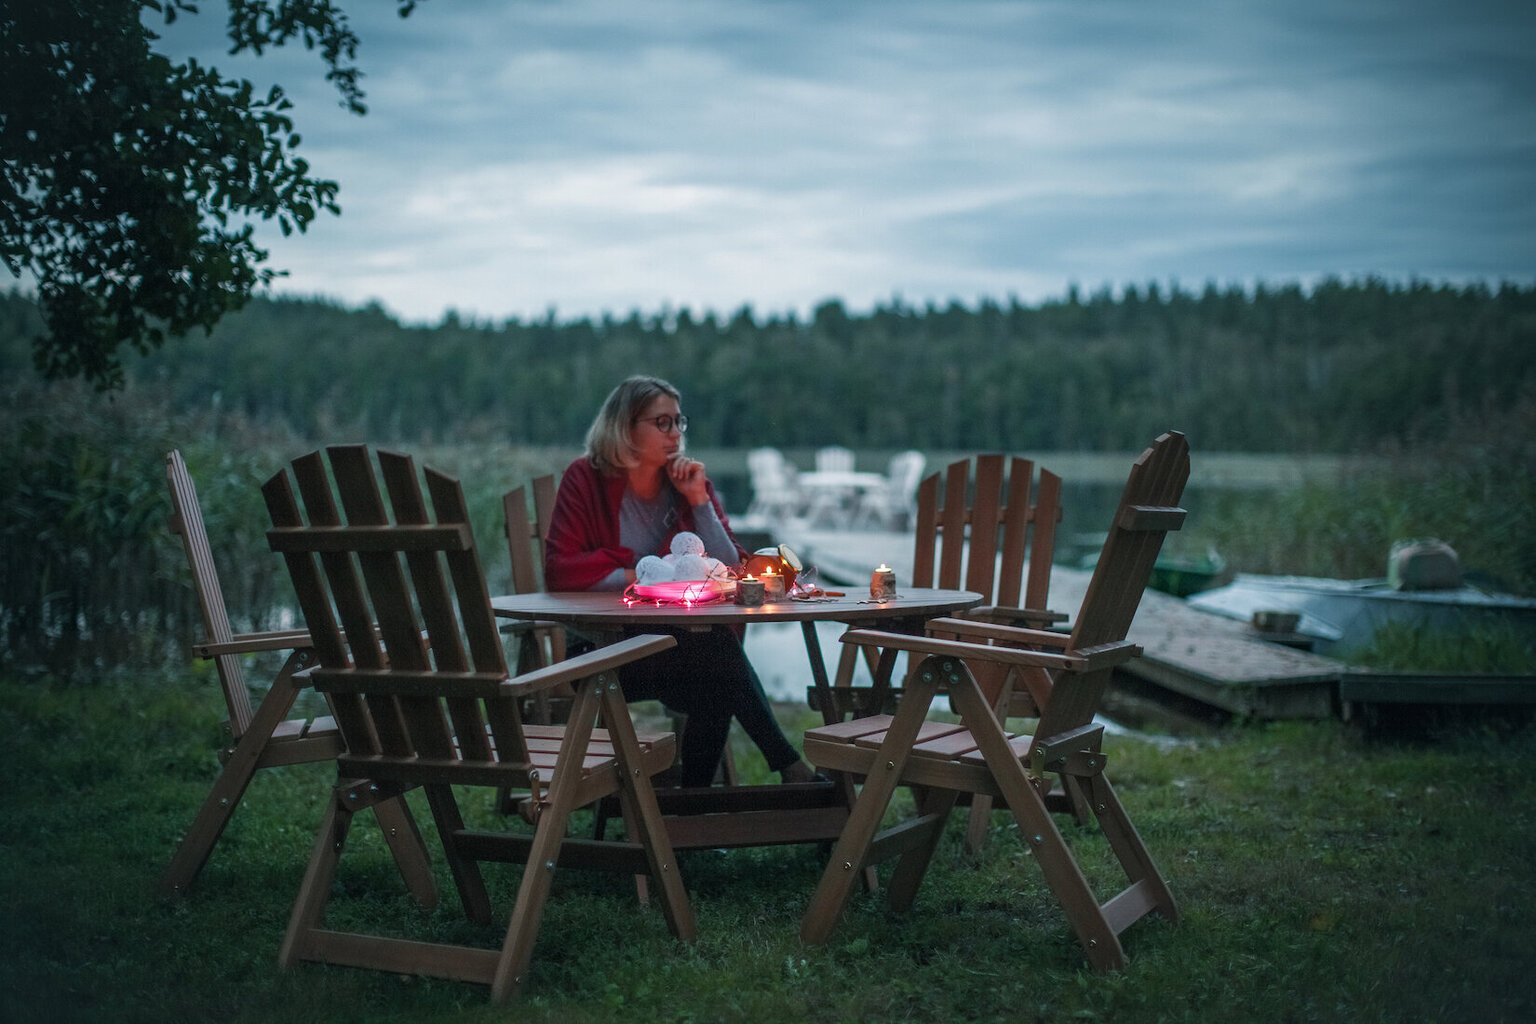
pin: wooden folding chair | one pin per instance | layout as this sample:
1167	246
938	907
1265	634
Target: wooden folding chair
1001	545
428	701
986	526
978	755
263	736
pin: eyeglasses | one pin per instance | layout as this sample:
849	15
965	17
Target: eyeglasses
666	423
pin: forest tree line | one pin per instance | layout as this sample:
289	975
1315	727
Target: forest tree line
1343	366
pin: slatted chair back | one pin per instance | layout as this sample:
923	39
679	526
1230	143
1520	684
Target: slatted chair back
941	761
980	528
982	525
267	734
412	664
834	458
526	512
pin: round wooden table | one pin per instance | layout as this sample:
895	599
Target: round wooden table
723	816
605	616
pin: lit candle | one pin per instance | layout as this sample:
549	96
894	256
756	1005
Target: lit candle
882	583
773	586
749	591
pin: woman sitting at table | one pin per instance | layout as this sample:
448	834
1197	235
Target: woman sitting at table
626	497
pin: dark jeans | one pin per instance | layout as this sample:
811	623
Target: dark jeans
708	678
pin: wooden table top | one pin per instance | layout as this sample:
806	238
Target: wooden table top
607	608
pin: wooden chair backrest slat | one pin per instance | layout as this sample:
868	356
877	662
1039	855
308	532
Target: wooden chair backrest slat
325	632
953	521
985	514
484	651
1017	516
187	521
1044	515
924	524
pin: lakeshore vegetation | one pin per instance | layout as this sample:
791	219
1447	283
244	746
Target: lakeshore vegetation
1437	384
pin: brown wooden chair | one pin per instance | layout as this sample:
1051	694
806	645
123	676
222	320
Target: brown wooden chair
1002	544
263	736
429	702
978	755
983	525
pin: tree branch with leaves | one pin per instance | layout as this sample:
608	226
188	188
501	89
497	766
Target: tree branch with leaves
130	184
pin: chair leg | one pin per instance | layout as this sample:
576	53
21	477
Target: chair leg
1038	832
852	847
532	894
544	851
643	814
1131	851
315	889
1077	800
465	871
234	778
628	812
913	864
979	820
409	849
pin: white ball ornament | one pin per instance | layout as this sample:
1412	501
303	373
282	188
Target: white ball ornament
690	567
653	569
687	543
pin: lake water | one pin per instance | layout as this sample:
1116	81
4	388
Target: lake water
777	651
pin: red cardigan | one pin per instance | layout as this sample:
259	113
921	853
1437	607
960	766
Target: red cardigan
583	545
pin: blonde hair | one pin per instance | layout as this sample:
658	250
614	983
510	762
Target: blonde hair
610	446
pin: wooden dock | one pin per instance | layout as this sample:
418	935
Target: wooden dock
1215	660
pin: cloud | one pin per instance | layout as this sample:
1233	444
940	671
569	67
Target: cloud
607	155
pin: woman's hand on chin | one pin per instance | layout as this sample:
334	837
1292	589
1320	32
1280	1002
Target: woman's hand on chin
688	477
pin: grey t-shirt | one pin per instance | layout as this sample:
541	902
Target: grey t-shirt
644	524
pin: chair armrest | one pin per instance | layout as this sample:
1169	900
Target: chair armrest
249	643
583	665
1085	659
999	631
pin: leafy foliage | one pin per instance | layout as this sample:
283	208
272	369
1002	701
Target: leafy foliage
130	182
94	580
1342	368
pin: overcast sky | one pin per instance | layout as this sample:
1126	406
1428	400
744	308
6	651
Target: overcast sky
593	156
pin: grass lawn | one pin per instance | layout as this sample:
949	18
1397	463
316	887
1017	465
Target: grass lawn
1322	875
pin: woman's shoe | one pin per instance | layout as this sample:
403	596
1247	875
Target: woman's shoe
801	772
